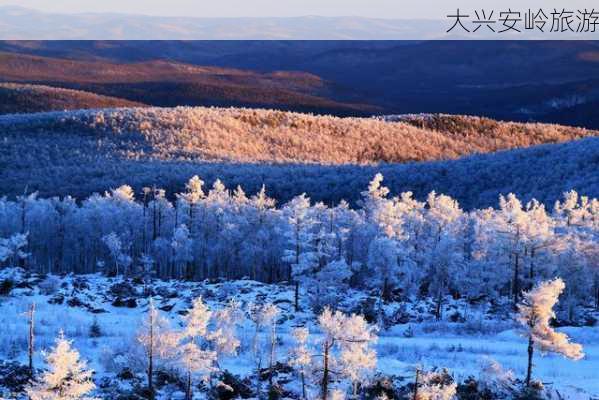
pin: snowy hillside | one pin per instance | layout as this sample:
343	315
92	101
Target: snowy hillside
77	153
103	317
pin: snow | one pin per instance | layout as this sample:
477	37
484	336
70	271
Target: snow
440	344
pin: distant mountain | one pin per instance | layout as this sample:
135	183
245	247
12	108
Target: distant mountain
22	98
329	158
169	83
26	24
544	81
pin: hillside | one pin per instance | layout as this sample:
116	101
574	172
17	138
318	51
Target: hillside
168	83
23	98
329	158
246	135
545	81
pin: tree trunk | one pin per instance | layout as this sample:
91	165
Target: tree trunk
188	392
438	305
31	337
385	295
296	295
415	397
530	353
531	273
151	359
325	372
303	385
273	339
516	287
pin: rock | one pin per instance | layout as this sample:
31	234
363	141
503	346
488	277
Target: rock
166	292
24	285
277	369
118	302
163	378
167	307
6	287
123	289
456	317
58	299
13	376
75	302
131	303
368	308
80	284
126	374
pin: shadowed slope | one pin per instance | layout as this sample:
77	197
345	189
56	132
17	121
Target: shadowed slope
23	98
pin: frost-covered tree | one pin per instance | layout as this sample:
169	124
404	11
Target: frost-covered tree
383	256
300	252
434	385
67	378
264	316
535	314
329	282
118	252
494	378
430	248
12	248
181	245
31	337
194	355
224	337
300	356
352	338
158	341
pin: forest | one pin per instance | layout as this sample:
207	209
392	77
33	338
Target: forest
398	246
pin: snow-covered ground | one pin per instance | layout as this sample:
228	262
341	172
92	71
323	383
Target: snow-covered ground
458	346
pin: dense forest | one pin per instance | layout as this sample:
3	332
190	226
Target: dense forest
79	153
396	245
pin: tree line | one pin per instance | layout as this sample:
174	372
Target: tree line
396	246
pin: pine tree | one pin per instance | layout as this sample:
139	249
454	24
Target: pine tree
67	378
535	314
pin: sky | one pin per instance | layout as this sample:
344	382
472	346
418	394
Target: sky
289	8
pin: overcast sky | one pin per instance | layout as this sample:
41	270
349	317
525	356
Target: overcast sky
289	8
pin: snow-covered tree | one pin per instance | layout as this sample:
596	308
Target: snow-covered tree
181	244
352	337
117	251
383	256
159	342
67	378
434	385
300	356
535	314
224	336
300	252
194	355
12	248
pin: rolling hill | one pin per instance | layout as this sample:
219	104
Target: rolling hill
23	98
543	81
327	157
168	83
